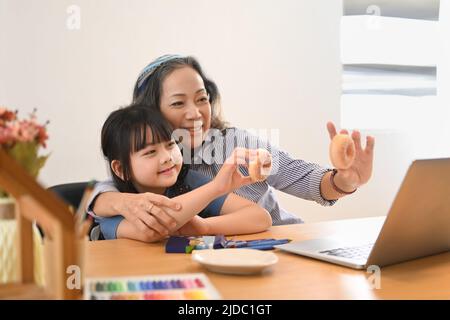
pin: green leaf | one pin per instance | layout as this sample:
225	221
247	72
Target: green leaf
26	154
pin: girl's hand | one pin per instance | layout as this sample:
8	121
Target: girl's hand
146	212
361	170
197	226
229	177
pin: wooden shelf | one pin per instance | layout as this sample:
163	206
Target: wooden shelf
23	291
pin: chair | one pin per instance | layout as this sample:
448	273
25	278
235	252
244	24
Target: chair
72	193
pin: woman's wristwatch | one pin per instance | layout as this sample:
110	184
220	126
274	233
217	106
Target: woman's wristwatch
335	187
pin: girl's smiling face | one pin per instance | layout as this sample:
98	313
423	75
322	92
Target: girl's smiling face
185	104
155	167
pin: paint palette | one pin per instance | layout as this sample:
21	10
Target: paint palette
188	286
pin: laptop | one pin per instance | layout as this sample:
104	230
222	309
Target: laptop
417	225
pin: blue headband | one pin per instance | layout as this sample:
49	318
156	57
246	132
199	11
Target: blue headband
152	66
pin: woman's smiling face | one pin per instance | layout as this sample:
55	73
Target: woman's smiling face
185	104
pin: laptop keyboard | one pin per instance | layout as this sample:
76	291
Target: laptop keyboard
360	252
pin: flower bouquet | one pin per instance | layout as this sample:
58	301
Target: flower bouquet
22	140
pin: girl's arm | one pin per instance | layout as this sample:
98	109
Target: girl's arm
128	230
238	216
227	179
192	203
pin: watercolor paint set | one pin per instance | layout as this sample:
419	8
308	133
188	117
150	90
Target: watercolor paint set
188	286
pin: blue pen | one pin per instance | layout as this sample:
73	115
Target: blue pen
261	247
260	240
235	244
241	244
252	242
268	244
271	241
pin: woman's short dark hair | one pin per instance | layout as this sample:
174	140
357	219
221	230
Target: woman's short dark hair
150	91
125	132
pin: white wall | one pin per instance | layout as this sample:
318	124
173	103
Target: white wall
276	63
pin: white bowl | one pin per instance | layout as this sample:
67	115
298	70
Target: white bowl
235	261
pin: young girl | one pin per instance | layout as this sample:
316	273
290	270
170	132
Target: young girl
143	157
177	87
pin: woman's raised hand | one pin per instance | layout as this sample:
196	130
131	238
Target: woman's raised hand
360	171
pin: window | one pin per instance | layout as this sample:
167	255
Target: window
390	52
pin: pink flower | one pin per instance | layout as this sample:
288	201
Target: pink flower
28	131
13	131
6	116
42	136
6	136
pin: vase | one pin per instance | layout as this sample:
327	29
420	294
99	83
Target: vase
9	267
7	208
